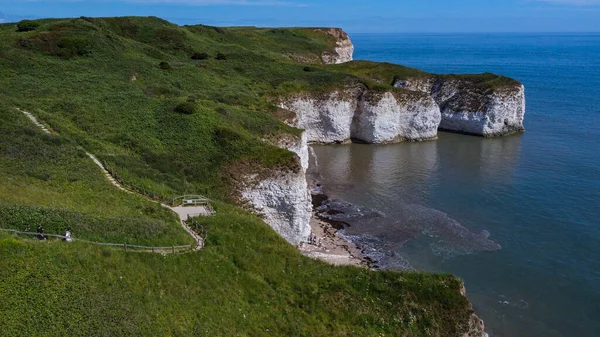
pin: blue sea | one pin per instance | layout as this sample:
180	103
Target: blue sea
518	217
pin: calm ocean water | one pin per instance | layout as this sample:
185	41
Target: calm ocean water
450	204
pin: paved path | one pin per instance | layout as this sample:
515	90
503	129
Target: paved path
193	211
182	212
35	121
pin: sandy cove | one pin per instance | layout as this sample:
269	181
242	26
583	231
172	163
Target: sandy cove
328	246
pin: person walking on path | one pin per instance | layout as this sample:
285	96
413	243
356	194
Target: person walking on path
68	235
40	231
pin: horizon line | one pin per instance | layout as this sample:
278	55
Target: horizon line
349	31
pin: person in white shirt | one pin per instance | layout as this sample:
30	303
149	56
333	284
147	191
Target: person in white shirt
68	235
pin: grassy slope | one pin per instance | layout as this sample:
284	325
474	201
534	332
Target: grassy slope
246	282
132	125
47	180
75	75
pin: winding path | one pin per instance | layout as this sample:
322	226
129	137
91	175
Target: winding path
182	212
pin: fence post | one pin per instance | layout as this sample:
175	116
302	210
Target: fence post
153	249
125	246
173	249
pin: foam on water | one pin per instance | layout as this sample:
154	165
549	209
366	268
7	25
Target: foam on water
381	236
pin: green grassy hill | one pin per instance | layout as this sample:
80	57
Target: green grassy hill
48	180
172	110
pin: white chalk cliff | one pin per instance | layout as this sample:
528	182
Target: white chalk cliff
472	109
282	196
362	115
344	48
393	117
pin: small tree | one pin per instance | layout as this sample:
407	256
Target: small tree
199	56
27	25
221	56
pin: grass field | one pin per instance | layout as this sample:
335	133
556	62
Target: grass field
48	180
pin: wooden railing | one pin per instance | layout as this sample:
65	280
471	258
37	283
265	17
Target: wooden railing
198	228
190	200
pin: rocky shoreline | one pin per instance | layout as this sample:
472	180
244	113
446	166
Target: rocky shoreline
326	243
328	246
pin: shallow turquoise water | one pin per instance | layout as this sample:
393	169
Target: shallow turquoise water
537	194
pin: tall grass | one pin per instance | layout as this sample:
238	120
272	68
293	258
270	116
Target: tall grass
246	282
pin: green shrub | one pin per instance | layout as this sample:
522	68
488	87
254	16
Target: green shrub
55	43
27	25
221	56
186	108
74	46
164	65
199	56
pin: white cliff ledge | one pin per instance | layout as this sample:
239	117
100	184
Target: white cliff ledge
366	116
282	196
471	108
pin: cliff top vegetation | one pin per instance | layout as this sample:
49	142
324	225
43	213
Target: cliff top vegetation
388	73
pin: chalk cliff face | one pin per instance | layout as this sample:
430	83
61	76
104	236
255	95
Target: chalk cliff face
326	118
344	48
473	109
362	115
385	118
282	196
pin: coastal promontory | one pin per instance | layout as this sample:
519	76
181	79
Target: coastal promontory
106	122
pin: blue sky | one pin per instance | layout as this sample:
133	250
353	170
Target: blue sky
384	16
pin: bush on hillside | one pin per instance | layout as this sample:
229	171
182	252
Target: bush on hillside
27	25
186	108
164	65
74	46
221	56
199	56
56	44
